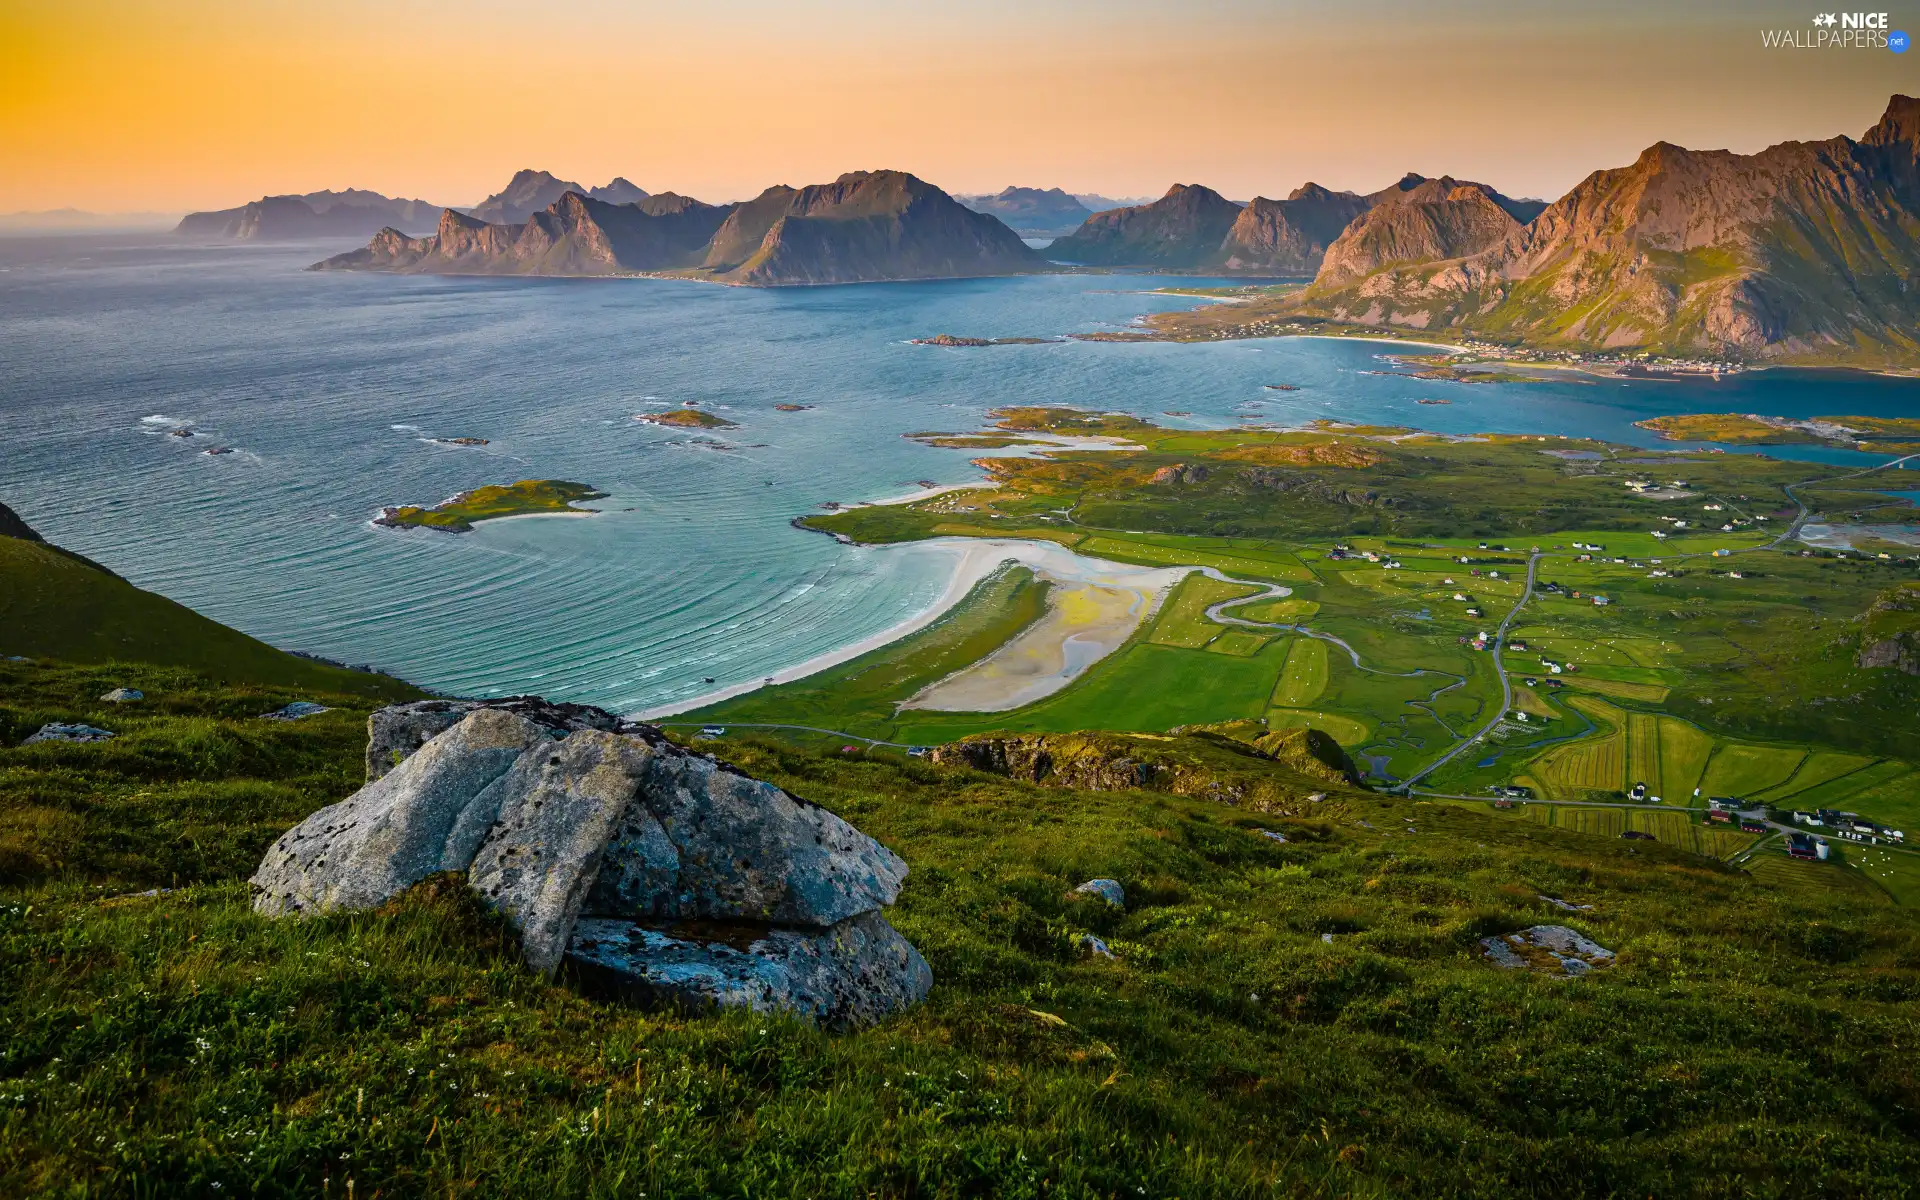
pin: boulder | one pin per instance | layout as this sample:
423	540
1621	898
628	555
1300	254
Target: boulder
1547	949
1105	889
708	843
56	732
122	695
1901	652
560	806
295	711
427	815
397	731
853	973
674	878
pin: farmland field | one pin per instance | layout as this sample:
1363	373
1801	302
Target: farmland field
1812	878
1672	828
1183	619
1346	730
1241	643
1822	766
1305	676
1126	549
1648	693
1741	771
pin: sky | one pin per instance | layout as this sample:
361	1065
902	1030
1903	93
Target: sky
174	105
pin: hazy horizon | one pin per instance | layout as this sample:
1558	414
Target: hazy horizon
136	106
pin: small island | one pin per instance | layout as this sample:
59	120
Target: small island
950	339
528	497
1282	387
791	407
461	441
686	418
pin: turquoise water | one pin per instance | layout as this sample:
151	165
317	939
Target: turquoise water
330	387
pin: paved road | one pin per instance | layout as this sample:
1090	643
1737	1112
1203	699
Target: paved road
1499	668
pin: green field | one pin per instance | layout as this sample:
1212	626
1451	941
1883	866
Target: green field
1818	768
1669	827
1182	620
1743	771
1305	676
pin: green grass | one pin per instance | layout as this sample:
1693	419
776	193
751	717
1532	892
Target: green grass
53	605
1182	620
1818	768
1305	676
1743	771
1668	826
1748	1041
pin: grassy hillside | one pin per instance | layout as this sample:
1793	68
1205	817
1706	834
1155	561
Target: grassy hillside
54	605
1294	1018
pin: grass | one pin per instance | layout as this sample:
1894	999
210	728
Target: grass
1182	620
1747	1041
1743	771
54	605
529	497
1305	676
1669	827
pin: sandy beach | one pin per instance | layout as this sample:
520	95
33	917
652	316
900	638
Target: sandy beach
973	559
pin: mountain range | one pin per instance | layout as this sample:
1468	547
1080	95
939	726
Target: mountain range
1804	250
1032	212
352	213
865	226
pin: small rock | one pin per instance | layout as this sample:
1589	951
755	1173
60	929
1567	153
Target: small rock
122	695
1106	889
1548	949
1566	905
56	732
1276	836
295	711
1093	947
1327	938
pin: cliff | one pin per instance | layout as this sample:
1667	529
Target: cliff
1291	236
1804	251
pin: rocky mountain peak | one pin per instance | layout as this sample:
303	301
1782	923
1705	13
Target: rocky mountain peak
1899	125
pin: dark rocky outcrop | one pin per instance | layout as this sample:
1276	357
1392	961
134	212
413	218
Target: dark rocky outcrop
660	874
1901	652
12	526
1243	764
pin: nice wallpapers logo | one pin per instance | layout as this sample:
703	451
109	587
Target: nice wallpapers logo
1839	31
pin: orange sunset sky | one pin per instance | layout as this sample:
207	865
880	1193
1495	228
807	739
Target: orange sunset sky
118	105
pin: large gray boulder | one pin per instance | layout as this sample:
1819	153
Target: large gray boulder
395	732
560	807
705	842
854	973
694	884
427	815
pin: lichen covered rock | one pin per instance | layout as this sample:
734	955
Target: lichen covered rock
1548	949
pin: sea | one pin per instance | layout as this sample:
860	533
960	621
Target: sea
332	390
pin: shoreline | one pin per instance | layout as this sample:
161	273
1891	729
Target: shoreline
973	560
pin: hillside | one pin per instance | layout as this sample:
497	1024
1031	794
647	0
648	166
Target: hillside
1799	253
866	226
1420	220
1182	230
575	235
1032	212
54	604
352	213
